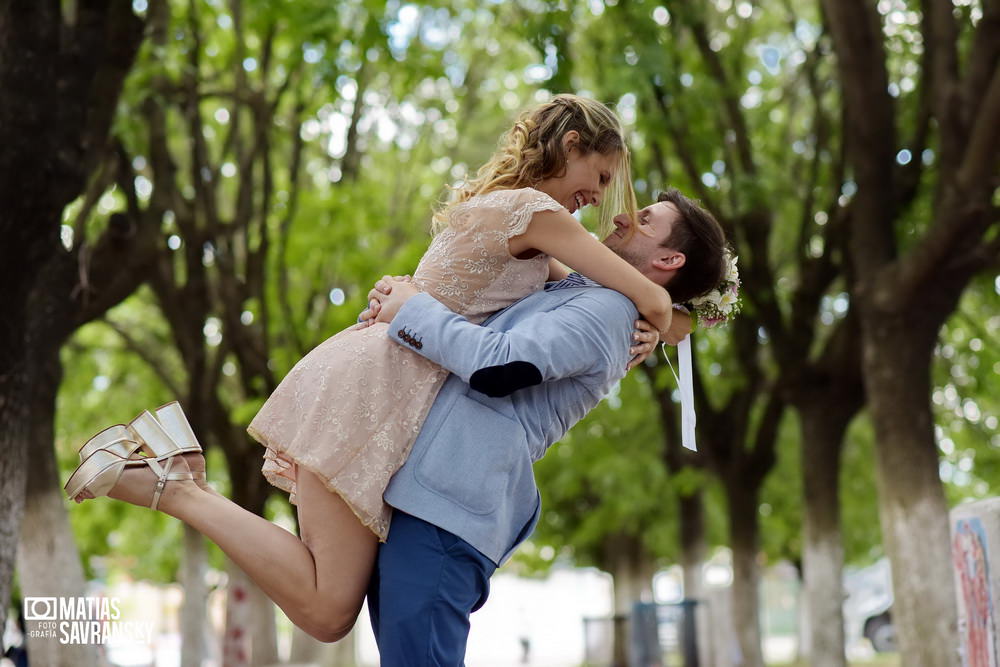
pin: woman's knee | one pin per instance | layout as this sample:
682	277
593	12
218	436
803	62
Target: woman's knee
331	634
330	626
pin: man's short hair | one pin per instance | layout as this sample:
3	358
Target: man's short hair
698	235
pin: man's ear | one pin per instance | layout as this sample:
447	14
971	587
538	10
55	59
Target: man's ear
669	260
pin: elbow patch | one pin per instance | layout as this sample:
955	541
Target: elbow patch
504	380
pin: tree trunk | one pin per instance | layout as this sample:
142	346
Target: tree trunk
263	627
743	528
60	86
822	425
904	296
236	642
631	568
48	561
342	653
694	548
13	452
305	649
250	636
693	545
21	192
913	509
309	651
250	627
194	615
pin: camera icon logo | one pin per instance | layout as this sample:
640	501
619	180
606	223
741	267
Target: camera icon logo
40	609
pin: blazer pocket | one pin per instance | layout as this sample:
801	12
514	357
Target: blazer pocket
470	458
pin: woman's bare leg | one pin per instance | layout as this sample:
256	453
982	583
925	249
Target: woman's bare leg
319	581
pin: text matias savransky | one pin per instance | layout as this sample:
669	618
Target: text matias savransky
83	620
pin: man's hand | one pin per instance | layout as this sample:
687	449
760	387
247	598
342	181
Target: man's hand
388	296
644	339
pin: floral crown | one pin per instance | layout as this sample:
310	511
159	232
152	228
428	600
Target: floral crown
723	302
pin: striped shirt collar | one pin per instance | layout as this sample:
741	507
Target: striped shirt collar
572	280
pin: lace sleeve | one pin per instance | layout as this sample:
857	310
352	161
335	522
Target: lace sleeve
525	203
504	212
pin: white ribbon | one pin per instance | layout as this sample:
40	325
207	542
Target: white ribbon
686	385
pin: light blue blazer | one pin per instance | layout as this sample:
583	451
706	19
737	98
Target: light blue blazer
470	468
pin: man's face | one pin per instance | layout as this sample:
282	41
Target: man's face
641	245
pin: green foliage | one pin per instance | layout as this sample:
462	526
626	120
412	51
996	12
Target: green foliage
965	398
781	499
861	531
607	476
106	383
438	83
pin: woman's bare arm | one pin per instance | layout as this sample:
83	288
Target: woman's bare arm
558	234
557	270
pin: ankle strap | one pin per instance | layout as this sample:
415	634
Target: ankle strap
163	475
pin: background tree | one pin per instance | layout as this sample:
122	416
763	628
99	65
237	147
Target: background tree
61	70
687	55
911	270
273	224
270	159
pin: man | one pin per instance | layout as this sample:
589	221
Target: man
466	496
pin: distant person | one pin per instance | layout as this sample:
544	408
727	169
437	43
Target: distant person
18	653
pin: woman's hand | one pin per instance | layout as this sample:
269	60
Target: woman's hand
658	310
645	339
680	327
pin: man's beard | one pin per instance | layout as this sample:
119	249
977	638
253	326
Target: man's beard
631	257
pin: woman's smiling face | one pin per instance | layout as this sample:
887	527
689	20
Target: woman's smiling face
586	177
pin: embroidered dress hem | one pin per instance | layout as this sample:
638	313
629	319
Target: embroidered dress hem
282	472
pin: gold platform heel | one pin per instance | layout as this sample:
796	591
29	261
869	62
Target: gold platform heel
117	439
160	437
174	435
173	420
100	472
157	441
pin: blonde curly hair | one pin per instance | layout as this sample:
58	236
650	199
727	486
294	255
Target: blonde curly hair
532	151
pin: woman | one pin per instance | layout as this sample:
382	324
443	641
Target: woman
343	420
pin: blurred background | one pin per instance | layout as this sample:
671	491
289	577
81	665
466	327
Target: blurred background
197	193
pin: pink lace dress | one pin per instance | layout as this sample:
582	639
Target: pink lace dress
350	409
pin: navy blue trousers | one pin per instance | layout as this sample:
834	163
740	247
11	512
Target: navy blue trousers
425	584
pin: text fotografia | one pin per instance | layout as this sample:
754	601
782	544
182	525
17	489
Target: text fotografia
83	620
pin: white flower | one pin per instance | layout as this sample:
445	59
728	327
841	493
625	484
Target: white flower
732	275
722	303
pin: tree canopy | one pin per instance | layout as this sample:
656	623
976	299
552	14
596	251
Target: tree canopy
282	155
